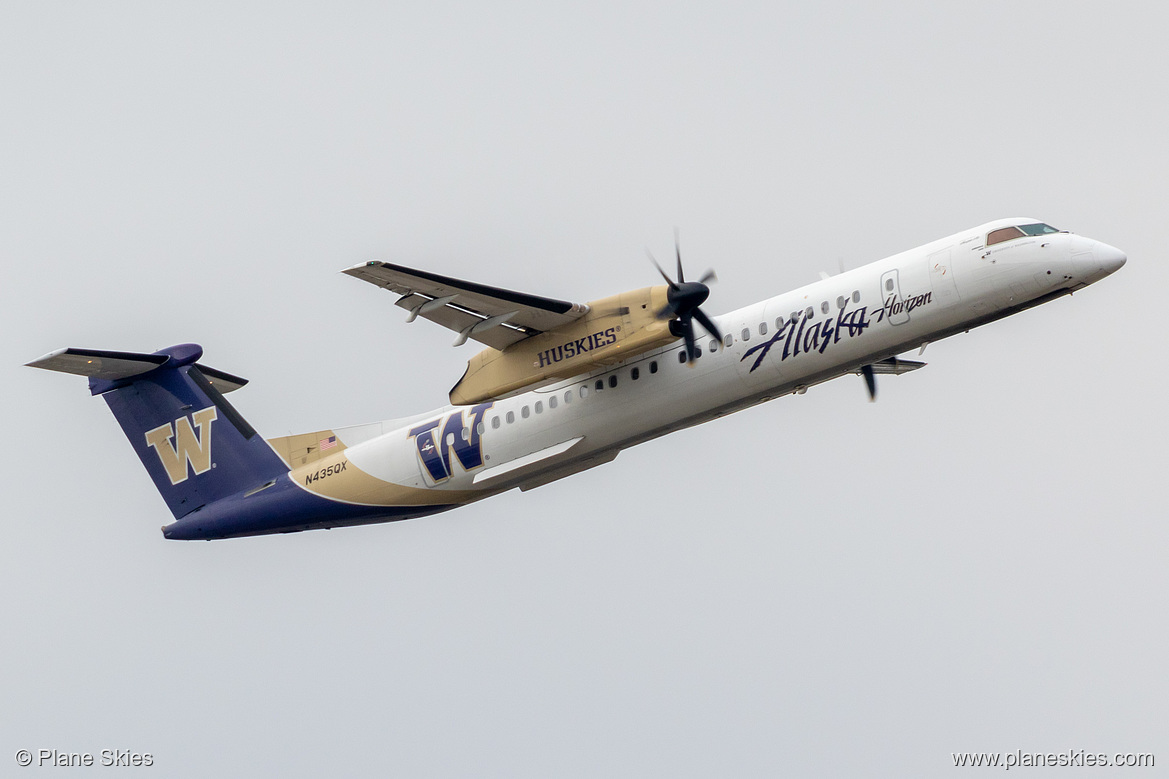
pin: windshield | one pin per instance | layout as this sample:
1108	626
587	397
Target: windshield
1003	234
1007	233
1038	229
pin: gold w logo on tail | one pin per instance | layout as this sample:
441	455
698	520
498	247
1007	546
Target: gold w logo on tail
186	448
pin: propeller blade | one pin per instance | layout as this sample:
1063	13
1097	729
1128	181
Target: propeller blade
710	326
708	277
688	335
659	267
678	253
870	381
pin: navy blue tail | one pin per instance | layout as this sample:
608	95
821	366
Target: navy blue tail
195	445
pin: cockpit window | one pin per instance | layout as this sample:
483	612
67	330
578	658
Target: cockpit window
1007	233
1039	229
1003	234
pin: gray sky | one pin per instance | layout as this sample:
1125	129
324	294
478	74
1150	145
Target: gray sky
819	586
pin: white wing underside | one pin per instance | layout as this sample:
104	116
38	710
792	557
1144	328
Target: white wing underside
492	316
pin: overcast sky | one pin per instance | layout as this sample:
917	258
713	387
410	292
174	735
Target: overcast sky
819	586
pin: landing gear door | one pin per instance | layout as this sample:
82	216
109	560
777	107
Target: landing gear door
891	294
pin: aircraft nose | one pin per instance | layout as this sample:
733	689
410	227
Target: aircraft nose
1110	258
1093	260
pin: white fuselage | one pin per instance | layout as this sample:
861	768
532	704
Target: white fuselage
774	347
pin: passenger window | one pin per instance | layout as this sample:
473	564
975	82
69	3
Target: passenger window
795	315
809	313
746	334
568	396
494	423
728	340
888	285
713	346
856	296
824	307
465	434
1003	234
584	391
762	328
480	428
552	402
510	417
600	385
840	302
682	356
653	366
525	413
778	323
612	380
539	407
635	374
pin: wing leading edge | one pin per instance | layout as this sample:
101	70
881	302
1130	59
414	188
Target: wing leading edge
492	316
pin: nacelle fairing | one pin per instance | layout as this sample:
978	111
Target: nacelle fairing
614	329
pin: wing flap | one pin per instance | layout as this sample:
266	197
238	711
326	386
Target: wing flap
461	320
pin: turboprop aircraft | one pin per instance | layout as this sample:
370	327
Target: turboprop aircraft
561	386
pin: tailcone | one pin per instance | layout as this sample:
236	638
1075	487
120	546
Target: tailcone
282	507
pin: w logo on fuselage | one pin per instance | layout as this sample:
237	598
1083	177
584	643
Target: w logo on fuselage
461	436
176	444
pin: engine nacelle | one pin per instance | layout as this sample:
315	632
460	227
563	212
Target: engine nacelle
614	329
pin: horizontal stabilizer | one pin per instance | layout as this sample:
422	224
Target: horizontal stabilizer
194	444
226	382
114	366
99	364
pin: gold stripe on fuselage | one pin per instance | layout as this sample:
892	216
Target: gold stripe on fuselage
336	477
305	448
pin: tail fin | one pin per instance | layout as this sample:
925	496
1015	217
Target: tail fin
195	445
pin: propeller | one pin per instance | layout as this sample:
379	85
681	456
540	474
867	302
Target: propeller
683	301
870	381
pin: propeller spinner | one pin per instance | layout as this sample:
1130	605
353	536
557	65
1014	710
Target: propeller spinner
683	301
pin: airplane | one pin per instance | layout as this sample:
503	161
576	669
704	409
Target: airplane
562	387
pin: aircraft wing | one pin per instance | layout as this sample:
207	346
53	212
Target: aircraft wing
895	366
492	316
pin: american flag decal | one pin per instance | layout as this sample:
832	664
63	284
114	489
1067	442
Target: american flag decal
328	443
